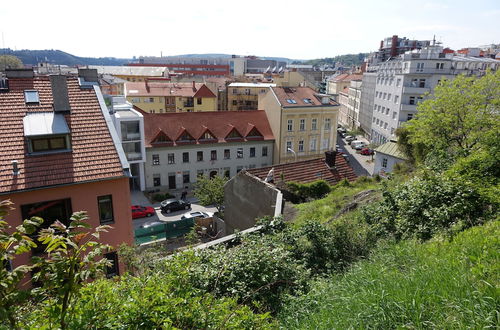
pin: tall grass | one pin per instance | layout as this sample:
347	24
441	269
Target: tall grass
439	284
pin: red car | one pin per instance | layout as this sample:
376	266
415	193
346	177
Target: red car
142	211
367	151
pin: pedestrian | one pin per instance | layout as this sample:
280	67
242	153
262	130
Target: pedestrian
184	194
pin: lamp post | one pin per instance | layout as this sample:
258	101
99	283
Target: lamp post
294	153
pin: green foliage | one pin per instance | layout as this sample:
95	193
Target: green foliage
10	62
300	192
442	285
12	244
192	237
423	207
159	197
347	60
210	191
460	117
73	256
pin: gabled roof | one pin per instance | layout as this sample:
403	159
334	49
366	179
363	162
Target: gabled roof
391	148
167	89
93	156
236	134
218	123
300	97
161	137
308	171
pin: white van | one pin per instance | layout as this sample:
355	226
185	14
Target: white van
358	144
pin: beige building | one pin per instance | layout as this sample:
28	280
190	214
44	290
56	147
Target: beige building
336	84
303	122
350	99
245	96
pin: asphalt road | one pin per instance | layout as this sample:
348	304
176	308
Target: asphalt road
357	161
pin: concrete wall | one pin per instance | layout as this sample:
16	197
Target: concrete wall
246	199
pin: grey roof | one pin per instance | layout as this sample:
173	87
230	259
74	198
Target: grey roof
44	123
391	149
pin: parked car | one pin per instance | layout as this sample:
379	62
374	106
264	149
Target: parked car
367	151
170	205
139	211
358	145
196	214
349	138
341	130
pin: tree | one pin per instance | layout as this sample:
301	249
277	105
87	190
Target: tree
10	62
462	116
210	191
12	244
73	257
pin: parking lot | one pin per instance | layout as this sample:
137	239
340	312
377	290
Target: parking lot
137	199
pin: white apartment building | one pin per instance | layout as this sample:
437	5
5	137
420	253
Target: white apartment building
404	81
182	146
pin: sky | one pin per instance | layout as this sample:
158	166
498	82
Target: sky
294	29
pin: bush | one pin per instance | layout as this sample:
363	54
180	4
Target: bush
300	192
159	197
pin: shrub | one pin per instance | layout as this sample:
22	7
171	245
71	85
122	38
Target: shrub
159	197
300	192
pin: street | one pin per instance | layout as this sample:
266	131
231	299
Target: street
358	162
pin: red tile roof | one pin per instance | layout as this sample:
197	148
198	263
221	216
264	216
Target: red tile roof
219	124
167	89
93	155
299	95
309	171
347	77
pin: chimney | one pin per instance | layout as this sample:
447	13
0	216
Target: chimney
194	86
146	82
89	75
60	93
4	85
330	158
19	73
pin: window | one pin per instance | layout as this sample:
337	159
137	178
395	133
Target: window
247	91
389	96
136	100
31	96
156	180
199	173
394	114
185	157
301	146
199	156
384	162
51	143
288	146
213	155
171	158
396	99
235	102
239	153
420	67
252	152
290	125
398	82
385	96
385	125
327	123
156	159
387	111
291	101
302	125
392	130
421	83
312	144
264	151
238	169
326	144
409	117
439	66
112	270
227	172
227	153
412	100
198	100
185	177
105	205
314	124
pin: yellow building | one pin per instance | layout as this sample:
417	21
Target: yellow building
304	123
245	96
159	97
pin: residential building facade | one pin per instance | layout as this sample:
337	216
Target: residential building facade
155	96
303	122
182	146
245	96
60	154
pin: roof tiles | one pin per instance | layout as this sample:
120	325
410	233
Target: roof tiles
93	155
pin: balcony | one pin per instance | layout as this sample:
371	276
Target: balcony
415	90
408	107
132	150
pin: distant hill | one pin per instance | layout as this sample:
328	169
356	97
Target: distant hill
347	60
213	55
33	57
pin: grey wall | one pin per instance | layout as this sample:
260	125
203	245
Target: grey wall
247	198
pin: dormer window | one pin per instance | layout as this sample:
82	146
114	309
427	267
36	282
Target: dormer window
31	97
234	134
46	132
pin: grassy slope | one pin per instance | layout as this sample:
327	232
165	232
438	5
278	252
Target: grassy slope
449	285
324	209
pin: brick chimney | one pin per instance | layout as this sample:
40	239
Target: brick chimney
194	86
330	158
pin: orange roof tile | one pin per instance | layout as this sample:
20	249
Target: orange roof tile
93	156
309	171
218	123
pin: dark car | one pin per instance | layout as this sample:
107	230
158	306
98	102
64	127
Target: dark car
170	205
139	211
367	151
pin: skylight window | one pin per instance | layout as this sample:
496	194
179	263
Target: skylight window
291	101
31	96
308	101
